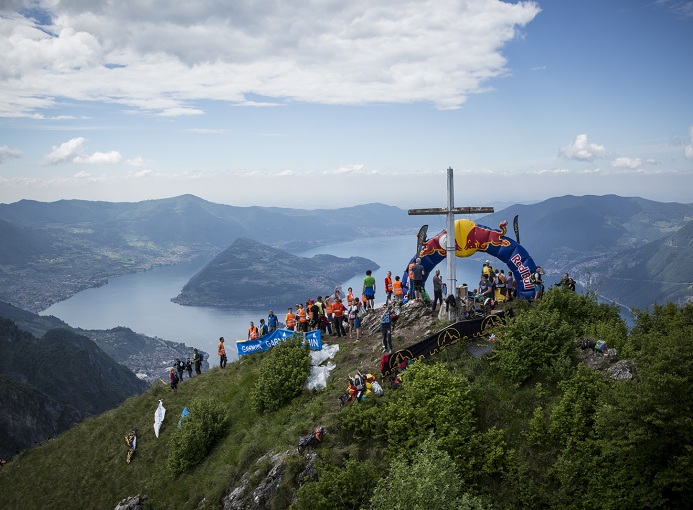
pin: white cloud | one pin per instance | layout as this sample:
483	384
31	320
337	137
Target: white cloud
626	162
582	150
73	151
156	58
6	152
688	150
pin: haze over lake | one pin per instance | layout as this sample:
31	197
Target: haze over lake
142	301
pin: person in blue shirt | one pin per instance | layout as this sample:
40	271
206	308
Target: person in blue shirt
386	328
272	322
262	328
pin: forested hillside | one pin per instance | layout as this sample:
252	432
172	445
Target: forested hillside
48	385
538	423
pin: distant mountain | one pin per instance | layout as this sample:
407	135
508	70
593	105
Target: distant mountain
50	251
251	274
559	231
48	385
659	271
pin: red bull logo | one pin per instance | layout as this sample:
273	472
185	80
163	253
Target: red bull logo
524	271
433	246
480	238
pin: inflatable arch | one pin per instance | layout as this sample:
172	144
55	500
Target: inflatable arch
470	238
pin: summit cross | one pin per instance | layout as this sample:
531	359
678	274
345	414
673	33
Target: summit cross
450	212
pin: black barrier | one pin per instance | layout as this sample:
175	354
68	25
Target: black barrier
460	331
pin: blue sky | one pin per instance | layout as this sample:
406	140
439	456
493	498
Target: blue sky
328	103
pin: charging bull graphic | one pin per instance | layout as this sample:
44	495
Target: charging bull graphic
470	238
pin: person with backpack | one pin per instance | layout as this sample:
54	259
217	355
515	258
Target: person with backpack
197	360
173	379
538	282
188	368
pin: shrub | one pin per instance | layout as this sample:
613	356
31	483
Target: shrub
337	488
531	341
430	398
199	430
429	480
282	375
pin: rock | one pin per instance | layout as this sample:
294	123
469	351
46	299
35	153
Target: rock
132	503
239	497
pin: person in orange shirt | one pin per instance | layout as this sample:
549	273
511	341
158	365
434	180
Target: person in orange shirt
221	351
350	295
290	320
397	289
252	331
388	287
302	319
338	310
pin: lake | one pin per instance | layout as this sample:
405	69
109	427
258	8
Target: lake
142	301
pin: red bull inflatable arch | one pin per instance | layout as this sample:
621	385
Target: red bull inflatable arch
470	238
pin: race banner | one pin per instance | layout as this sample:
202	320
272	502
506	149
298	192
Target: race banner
266	342
460	331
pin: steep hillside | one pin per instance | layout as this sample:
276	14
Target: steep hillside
50	384
249	274
534	425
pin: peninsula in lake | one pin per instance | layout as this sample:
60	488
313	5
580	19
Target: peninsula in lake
249	274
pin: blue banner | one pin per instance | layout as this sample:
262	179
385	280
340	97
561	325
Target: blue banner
266	342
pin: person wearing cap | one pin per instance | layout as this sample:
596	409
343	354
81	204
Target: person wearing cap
418	274
221	351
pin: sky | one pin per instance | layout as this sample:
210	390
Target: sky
323	104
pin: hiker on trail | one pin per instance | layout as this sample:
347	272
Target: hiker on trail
369	289
221	351
290	320
338	310
418	273
180	368
437	290
253	333
197	361
397	289
173	378
386	328
188	368
388	287
272	322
